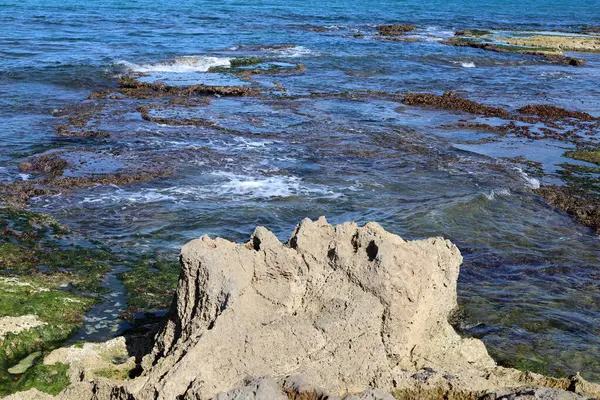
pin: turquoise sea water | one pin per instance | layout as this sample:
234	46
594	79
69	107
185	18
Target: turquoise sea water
529	284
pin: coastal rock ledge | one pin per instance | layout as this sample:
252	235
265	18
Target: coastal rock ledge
337	311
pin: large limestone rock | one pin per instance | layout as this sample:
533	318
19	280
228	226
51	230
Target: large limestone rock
344	307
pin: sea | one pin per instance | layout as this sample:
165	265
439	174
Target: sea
321	141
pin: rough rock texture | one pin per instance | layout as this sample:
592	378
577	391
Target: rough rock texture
532	393
341	306
32	394
94	359
334	312
18	324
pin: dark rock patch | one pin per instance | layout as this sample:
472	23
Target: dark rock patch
131	87
451	101
552	113
395	29
583	208
50	164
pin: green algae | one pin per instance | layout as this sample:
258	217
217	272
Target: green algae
45	271
150	282
525	363
51	379
235	64
244	62
117	374
591	155
473	33
581	179
25	364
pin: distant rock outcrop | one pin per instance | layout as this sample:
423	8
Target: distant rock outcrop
336	311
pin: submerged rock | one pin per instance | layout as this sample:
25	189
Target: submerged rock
501	45
337	310
395	29
451	101
51	164
585	209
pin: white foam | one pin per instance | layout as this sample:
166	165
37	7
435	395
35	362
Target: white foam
465	64
121	196
221	184
245	187
531	183
293	52
179	65
497	192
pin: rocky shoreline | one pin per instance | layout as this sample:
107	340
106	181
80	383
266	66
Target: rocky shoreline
341	310
35	249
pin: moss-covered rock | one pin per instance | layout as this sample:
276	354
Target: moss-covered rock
47	283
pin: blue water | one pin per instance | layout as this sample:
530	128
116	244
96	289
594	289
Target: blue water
529	281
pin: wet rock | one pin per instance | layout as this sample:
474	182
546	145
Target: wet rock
272	70
51	164
145	113
551	54
566	60
472	32
548	112
583	208
100	94
500	48
131	87
562	43
395	29
119	178
64	130
452	101
17	194
591	30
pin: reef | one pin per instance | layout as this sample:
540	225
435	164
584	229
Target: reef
451	101
51	164
395	29
342	310
584	208
118	178
562	43
552	113
535	121
133	88
483	40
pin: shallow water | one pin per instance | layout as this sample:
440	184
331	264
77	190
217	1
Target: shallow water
529	280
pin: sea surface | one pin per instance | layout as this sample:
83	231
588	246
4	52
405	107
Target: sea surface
529	285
